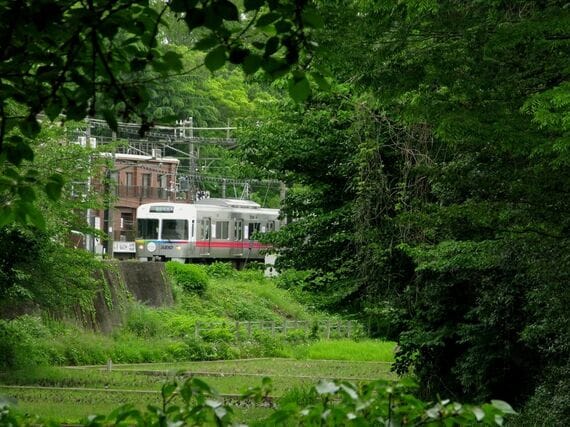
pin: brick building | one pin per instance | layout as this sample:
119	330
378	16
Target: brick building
133	180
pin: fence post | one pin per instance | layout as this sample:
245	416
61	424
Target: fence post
196	329
273	328
249	329
348	328
285	326
328	329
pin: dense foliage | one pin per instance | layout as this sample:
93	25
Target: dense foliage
107	58
454	204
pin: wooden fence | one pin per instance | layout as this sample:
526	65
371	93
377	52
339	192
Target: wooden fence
323	329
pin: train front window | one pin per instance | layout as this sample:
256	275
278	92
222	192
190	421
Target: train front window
174	229
147	229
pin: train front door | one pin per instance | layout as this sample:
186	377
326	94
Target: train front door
205	237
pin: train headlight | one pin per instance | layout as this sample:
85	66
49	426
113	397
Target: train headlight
178	248
141	247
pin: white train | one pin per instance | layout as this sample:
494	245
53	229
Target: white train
210	229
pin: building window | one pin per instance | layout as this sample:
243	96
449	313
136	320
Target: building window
129	179
146	184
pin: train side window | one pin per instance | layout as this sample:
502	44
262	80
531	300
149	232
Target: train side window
205	229
193	225
238	230
174	229
222	230
254	227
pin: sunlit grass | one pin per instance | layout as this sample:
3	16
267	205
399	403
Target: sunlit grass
345	349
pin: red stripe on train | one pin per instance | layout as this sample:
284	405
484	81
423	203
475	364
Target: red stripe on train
231	245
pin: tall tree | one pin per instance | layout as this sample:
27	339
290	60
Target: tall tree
461	215
93	57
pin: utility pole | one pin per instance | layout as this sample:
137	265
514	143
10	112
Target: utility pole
110	205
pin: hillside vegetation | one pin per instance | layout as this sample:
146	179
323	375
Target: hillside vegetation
168	334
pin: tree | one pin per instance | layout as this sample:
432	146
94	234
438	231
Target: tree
461	210
39	266
103	57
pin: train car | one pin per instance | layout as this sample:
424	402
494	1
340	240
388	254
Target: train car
205	231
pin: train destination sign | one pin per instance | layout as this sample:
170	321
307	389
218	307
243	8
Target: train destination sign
162	209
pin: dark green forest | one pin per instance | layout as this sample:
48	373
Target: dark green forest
425	145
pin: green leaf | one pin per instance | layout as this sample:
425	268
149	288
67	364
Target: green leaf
216	58
268	18
321	81
478	412
283	26
168	389
503	406
30	127
349	391
138	64
271	46
35	216
54	186
253	4
312	18
227	10
220	412
212	18
173	60
53	109
207	42
299	88
27	194
182	5
6	215
326	387
251	63
195	18
17	153
111	119
238	55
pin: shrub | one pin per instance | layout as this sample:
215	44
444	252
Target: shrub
293	279
221	270
21	342
190	277
143	321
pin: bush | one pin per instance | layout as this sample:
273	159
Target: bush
190	277
221	270
293	279
143	321
21	343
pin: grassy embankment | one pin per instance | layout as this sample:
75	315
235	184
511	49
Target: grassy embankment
167	335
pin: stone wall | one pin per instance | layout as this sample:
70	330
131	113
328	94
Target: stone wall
142	281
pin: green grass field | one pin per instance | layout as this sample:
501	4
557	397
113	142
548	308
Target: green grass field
67	394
